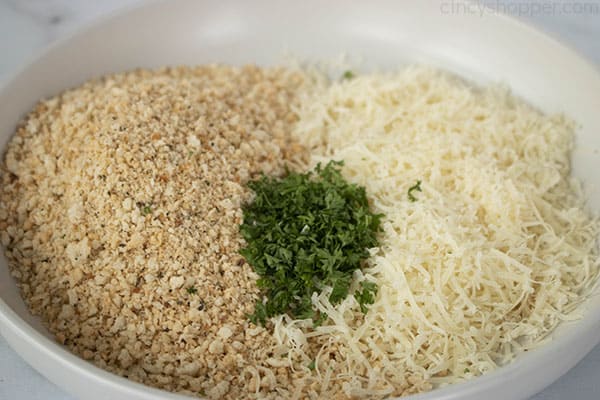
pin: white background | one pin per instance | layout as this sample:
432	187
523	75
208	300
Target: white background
26	26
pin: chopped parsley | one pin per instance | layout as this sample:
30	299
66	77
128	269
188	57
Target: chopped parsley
415	187
347	75
146	210
192	290
305	232
366	295
312	365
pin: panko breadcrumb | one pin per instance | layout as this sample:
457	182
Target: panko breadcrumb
119	210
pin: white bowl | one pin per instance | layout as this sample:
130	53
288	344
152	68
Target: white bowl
385	33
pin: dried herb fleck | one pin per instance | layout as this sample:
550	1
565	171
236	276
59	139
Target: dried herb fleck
347	75
415	187
192	290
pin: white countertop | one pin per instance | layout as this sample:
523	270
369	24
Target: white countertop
26	26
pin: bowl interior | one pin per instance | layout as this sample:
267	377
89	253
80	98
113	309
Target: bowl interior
381	34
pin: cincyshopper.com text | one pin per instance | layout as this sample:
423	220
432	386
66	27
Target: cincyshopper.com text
520	8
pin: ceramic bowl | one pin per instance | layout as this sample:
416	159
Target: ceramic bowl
384	34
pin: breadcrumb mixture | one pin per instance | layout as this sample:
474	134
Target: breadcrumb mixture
120	206
119	212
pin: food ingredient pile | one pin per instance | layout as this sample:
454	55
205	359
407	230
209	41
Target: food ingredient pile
120	206
132	206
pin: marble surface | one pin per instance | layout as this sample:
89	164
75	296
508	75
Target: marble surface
26	26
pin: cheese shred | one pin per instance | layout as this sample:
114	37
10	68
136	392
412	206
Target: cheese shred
493	253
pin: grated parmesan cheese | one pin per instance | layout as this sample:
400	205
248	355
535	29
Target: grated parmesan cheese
494	254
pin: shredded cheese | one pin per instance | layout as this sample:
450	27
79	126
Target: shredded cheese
493	254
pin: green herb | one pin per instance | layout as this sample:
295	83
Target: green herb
366	295
467	370
146	210
312	365
305	232
348	75
319	319
417	187
192	290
